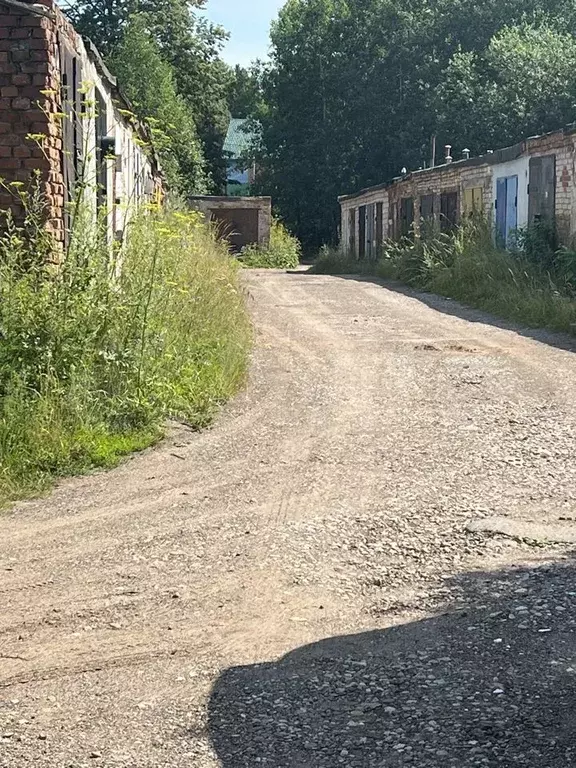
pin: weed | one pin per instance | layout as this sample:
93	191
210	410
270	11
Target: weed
282	253
97	351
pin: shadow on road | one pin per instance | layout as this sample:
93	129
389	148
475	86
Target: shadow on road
451	307
489	684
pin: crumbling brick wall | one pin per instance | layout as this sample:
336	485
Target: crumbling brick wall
28	97
44	66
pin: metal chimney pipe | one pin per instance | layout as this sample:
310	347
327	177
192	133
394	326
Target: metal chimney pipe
466	154
447	153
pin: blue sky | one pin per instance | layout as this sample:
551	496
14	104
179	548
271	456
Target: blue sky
248	22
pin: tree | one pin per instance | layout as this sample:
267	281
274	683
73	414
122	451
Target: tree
524	83
102	21
157	101
244	94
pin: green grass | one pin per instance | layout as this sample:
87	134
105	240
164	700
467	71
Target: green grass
283	252
96	354
467	266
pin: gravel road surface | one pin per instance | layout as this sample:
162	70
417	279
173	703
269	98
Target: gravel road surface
366	562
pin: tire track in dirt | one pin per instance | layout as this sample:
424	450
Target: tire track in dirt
330	497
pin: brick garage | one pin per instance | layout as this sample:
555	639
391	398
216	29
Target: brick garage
447	192
560	145
43	65
240	220
28	50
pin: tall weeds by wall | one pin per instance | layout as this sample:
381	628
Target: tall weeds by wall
283	252
533	288
96	352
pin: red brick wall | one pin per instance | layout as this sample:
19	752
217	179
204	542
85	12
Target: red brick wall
29	65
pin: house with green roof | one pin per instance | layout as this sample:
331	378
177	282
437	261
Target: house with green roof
237	145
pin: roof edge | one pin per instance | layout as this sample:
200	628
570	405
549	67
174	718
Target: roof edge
503	155
35	8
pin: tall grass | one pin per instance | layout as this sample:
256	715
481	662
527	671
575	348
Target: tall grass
466	265
97	351
283	252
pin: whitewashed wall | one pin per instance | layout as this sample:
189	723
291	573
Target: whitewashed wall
132	178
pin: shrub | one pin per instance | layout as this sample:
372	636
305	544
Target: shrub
283	252
333	261
96	352
539	243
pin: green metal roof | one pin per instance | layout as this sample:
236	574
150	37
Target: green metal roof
238	138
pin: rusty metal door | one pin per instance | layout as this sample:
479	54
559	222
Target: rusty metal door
427	207
379	225
370	231
362	232
406	215
352	231
542	188
448	211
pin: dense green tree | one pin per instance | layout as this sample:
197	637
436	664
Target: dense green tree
244	94
103	21
192	45
523	83
157	101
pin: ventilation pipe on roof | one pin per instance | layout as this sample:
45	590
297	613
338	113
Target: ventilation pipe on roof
466	154
447	153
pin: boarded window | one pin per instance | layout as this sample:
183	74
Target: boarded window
362	231
406	215
379	225
352	231
448	211
473	201
542	189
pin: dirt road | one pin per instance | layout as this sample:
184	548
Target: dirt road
298	587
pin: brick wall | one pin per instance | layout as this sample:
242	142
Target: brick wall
560	144
481	173
43	65
28	97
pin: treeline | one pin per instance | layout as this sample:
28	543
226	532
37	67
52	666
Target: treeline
356	89
167	59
